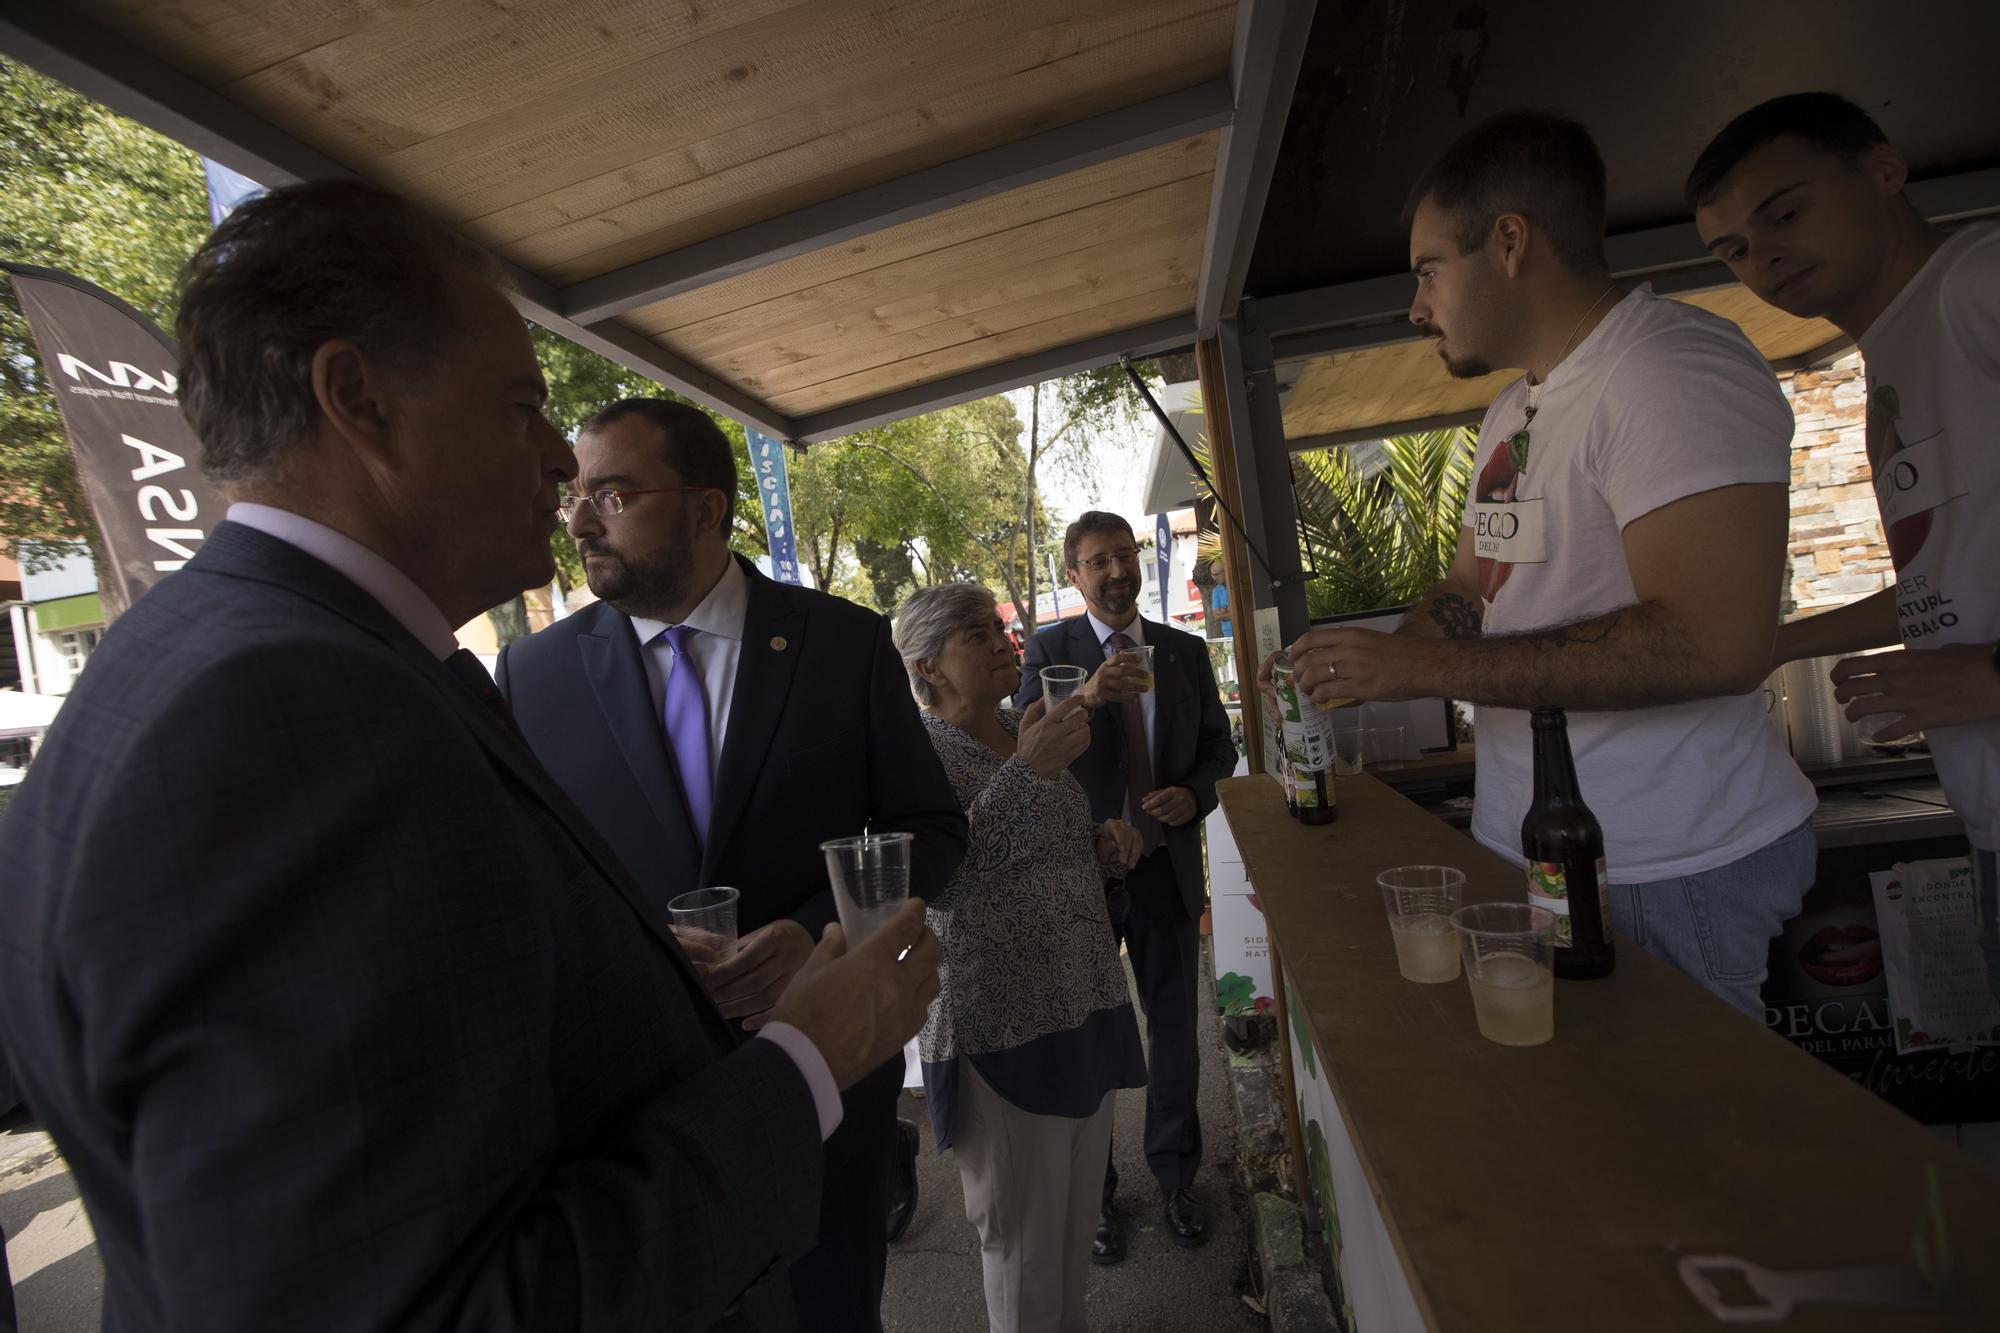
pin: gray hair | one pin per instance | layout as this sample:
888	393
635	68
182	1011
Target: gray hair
928	620
288	272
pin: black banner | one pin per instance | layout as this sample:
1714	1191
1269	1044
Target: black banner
112	374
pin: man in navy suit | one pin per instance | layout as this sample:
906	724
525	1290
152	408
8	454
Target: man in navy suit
717	727
342	1016
1157	749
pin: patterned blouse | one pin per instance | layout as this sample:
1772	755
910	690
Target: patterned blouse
1032	989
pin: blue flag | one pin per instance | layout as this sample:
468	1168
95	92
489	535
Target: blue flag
774	497
226	189
1163	551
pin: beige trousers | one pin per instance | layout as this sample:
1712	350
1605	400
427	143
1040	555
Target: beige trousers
1032	1186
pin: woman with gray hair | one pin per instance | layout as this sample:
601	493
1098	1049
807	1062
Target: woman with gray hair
1033	1029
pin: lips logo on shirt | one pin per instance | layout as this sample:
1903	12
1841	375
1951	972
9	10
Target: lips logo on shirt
1498	482
1906	535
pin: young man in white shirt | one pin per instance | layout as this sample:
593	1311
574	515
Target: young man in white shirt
1622	553
1803	198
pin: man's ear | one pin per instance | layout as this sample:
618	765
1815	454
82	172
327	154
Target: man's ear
1511	236
1885	169
351	393
716	508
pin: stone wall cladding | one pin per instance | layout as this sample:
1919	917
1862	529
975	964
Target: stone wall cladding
1837	553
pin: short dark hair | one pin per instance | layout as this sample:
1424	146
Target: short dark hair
1092	520
693	445
1824	120
288	272
1535	163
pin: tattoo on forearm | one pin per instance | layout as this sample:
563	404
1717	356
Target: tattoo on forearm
1456	617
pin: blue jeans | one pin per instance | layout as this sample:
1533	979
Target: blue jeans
1717	926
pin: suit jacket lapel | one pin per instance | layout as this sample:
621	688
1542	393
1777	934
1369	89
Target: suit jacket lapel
610	654
763	679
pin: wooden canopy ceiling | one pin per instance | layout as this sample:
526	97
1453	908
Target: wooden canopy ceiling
805	213
1368	392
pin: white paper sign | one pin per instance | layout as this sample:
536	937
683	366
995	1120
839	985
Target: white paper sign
1510	533
1926	915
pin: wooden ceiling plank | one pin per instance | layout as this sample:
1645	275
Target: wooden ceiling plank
918	370
802	80
216	41
1097	262
1128	177
387	87
1134	273
1016	248
676	196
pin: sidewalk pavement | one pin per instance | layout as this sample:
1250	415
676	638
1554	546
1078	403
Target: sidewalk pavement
935	1284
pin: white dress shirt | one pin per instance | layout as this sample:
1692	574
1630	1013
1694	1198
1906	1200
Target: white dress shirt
416	612
1136	632
410	605
717	648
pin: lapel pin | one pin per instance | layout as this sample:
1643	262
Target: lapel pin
778	644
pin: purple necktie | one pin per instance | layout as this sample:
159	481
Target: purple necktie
685	715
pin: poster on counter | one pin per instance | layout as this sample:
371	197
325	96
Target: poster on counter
1926	921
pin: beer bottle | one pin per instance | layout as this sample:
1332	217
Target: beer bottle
1564	848
1308	746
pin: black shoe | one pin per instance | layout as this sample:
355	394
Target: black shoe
1108	1247
1184	1219
903	1191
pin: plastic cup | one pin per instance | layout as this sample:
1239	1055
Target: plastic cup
1507	949
1144	652
1062	682
871	879
705	923
1382	747
1347	751
1421	900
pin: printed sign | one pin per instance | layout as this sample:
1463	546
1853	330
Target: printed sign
774	497
112	375
1926	913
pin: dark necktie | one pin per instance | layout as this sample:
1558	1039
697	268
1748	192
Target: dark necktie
471	673
1138	756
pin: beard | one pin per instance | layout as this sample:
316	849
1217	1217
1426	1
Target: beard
640	586
1117	595
1458	367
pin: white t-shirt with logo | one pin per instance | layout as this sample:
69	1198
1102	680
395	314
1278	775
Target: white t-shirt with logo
1662	401
1933	362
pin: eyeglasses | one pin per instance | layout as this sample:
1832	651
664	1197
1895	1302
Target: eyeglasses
1124	555
608	501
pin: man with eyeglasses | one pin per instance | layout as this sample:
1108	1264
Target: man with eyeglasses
1159	742
716	727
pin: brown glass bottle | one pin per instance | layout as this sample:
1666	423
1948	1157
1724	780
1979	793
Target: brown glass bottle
1564	847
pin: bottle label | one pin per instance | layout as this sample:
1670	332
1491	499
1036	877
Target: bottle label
1548	887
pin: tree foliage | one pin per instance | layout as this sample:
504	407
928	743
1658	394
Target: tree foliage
1381	535
92	193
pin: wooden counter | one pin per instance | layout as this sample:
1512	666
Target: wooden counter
1553	1188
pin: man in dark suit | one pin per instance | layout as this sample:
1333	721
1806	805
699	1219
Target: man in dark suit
1157	749
342	1016
717	727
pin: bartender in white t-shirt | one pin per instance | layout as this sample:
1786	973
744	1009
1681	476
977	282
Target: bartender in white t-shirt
1622	556
1803	198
